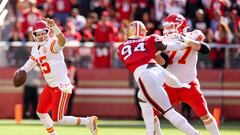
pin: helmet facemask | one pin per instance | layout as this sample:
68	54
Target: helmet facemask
41	36
175	23
169	28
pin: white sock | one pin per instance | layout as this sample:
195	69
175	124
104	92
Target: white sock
212	126
180	122
71	120
84	121
148	117
47	123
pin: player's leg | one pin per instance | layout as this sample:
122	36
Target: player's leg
43	107
147	113
196	100
59	106
152	89
157	127
173	97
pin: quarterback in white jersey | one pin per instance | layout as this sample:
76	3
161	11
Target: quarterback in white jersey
49	59
48	55
183	64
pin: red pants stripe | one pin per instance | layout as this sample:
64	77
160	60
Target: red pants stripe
55	100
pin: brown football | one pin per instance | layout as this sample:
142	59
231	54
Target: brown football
19	78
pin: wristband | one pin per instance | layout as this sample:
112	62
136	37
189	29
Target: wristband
56	30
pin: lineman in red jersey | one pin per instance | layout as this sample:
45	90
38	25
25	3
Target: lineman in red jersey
138	54
183	63
48	55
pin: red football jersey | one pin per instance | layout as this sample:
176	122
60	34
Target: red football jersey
134	53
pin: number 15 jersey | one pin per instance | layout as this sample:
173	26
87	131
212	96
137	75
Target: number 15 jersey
51	63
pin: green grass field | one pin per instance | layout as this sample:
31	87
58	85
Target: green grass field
107	127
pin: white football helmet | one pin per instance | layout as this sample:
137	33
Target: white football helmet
40	32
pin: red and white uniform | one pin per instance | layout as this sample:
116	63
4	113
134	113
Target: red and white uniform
51	63
182	64
56	93
138	56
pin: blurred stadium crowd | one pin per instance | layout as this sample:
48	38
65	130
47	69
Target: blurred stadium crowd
103	22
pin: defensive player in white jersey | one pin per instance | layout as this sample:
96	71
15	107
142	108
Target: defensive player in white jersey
182	64
48	55
138	54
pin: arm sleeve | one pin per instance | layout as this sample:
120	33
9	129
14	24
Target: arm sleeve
174	46
205	49
30	64
166	58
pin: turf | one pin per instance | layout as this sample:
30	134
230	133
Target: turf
107	127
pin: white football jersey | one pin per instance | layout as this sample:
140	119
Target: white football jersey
51	63
182	63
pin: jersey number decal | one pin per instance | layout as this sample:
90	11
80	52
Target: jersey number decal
127	50
45	67
182	60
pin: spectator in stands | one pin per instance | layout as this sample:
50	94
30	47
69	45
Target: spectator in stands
124	9
222	35
138	10
49	13
98	6
15	35
104	36
29	17
148	22
11	52
159	11
30	94
78	20
235	5
201	22
191	8
175	6
72	74
233	21
216	19
62	10
70	33
218	5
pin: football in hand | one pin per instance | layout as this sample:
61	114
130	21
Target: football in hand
19	78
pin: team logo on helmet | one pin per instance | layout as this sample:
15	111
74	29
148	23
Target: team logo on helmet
136	29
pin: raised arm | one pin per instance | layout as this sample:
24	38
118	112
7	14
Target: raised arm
61	39
200	46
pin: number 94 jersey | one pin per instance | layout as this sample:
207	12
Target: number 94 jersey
136	52
51	63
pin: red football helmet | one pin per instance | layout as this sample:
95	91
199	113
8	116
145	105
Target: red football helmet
175	23
40	32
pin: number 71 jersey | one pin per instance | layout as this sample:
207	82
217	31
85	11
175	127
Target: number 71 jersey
136	52
183	63
51	63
